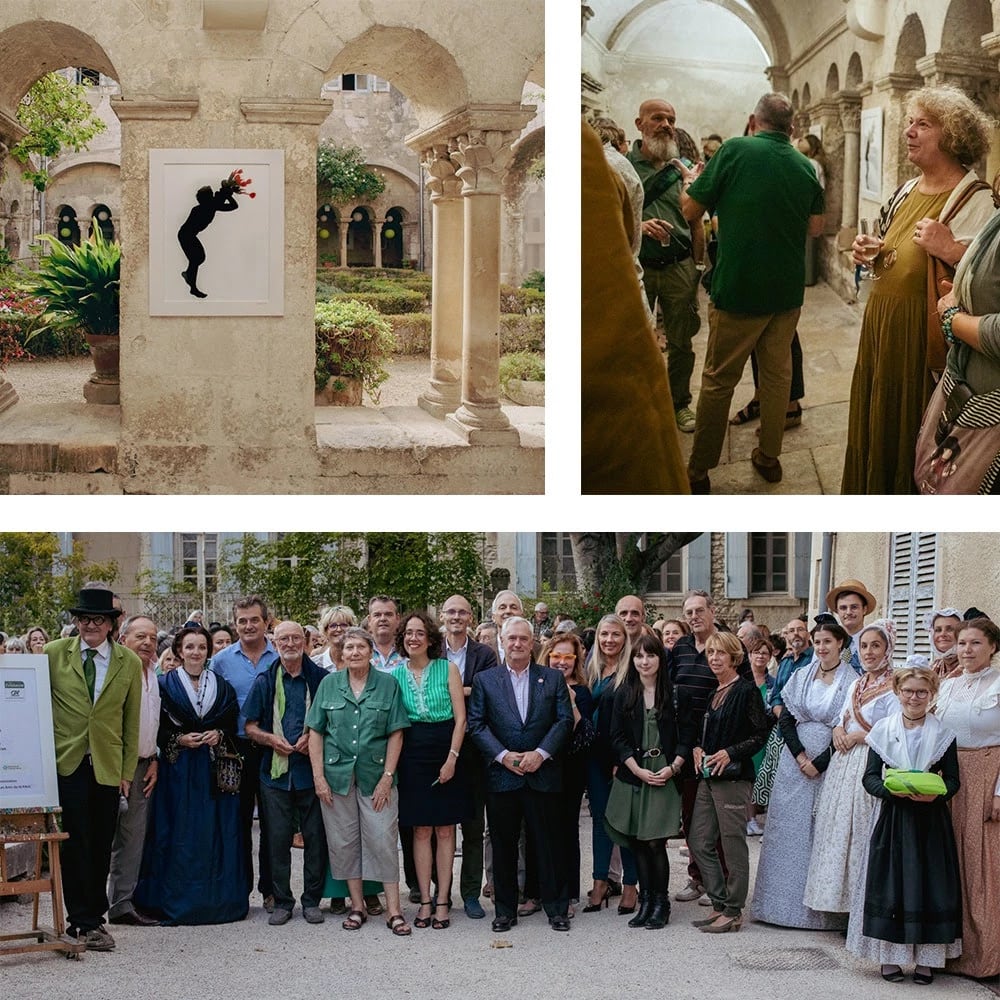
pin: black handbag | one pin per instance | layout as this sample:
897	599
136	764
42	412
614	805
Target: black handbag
733	771
228	767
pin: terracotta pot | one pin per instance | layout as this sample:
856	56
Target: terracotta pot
340	391
105	352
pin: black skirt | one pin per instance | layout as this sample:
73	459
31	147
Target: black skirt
421	802
913	891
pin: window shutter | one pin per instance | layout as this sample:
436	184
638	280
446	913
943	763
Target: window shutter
525	563
699	563
803	564
737	564
913	572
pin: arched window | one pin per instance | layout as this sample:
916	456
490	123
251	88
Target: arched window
327	235
101	216
360	246
392	238
67	226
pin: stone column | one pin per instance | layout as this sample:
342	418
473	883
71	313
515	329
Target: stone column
345	225
377	241
447	268
850	121
180	422
8	395
895	167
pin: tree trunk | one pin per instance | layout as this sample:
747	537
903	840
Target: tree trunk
634	557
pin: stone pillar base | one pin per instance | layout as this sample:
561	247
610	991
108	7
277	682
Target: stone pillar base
478	428
441	398
107	393
8	395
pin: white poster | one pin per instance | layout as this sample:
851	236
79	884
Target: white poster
216	232
871	154
27	748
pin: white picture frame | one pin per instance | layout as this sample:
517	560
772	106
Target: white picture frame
870	185
241	272
27	746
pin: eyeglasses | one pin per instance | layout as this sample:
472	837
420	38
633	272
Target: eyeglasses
294	640
91	619
911	693
336	625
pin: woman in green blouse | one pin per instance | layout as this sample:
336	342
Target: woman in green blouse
355	735
431	798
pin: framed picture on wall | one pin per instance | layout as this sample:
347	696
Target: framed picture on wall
871	154
216	232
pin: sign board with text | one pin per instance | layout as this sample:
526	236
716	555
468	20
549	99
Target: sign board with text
27	748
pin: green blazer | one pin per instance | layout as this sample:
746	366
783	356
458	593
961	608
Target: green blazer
110	727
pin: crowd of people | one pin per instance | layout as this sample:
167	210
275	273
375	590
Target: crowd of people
662	219
876	784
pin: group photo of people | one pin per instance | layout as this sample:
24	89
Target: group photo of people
839	250
326	770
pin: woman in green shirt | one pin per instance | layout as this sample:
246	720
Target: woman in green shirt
431	798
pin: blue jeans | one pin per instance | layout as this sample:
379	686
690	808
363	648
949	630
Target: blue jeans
598	790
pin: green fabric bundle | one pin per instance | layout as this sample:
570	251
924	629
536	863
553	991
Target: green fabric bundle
913	782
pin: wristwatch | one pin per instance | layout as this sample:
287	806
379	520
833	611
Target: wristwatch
387	774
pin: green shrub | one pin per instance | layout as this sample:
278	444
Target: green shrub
388	303
521	300
524	365
412	333
536	280
353	341
522	333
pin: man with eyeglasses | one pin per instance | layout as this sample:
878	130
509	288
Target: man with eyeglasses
276	711
96	688
240	664
798	652
470	657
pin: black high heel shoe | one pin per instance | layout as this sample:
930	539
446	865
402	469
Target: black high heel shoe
622	908
423	922
437	924
602	903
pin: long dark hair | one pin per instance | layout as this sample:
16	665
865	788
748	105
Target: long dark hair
663	696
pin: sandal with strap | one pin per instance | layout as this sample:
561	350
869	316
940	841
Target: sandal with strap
749	412
398	925
436	923
355	921
423	922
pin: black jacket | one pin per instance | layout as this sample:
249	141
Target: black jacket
676	733
740	726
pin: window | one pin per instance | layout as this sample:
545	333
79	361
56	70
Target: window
200	560
354	81
768	564
379	85
913	572
557	568
88	77
671	575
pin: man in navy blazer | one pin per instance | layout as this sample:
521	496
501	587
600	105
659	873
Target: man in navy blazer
520	717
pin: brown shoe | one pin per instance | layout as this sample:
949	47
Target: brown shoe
769	468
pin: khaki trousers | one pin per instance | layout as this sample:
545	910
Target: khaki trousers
720	813
731	338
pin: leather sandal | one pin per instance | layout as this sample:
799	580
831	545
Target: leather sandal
398	925
437	923
423	922
749	412
355	921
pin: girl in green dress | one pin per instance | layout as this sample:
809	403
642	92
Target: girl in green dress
651	737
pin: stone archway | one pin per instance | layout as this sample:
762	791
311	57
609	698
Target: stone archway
391	237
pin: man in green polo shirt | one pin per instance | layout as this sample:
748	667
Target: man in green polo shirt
767	199
669	248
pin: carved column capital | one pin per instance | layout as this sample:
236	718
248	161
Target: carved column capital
849	106
483	156
442	180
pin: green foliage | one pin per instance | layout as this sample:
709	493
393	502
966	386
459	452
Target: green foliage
585	608
526	301
535	280
342	171
522	333
303	571
536	168
354	341
38	582
524	365
411	332
371	279
58	116
387	303
81	285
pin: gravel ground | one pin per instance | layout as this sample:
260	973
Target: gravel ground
49	380
601	958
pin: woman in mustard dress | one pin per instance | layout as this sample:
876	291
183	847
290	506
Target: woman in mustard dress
946	133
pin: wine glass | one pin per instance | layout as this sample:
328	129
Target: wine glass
871	248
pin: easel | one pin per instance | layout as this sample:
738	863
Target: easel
36	825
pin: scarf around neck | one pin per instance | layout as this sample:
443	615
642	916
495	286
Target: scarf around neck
888	739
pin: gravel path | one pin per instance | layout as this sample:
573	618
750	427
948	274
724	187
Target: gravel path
49	380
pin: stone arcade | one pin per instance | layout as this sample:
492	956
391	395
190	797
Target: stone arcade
225	404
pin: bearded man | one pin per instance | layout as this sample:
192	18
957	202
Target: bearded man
669	248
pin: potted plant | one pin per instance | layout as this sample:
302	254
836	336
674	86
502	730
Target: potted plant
82	287
352	344
522	378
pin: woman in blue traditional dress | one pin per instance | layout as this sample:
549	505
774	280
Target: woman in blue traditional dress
193	869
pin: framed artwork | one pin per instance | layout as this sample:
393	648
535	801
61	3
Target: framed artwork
871	154
216	232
